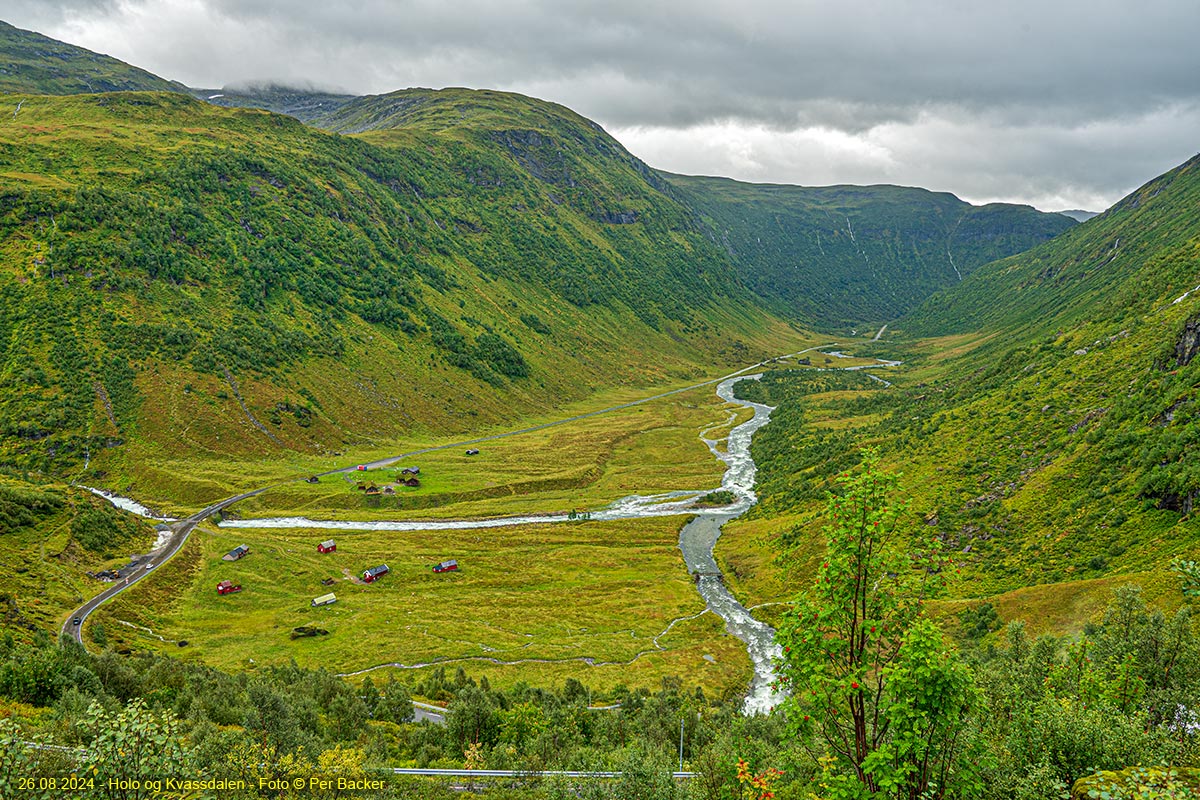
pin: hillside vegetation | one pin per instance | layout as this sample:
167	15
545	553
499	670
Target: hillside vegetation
185	280
36	64
1055	446
844	256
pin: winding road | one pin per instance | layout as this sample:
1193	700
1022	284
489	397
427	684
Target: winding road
180	530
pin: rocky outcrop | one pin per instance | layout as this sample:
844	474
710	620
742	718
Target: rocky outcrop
1183	503
1188	343
617	217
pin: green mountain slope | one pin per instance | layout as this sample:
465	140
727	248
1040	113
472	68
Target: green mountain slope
1109	268
34	64
847	255
1056	441
184	281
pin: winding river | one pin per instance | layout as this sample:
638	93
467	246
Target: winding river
696	540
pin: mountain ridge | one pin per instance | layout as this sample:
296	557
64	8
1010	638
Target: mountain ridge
847	256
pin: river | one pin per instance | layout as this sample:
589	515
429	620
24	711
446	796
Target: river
696	539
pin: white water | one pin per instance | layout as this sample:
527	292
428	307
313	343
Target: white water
125	504
696	540
699	536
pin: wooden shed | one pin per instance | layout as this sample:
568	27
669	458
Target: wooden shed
325	600
241	551
446	566
327	546
375	573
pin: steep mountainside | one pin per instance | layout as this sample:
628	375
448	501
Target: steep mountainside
184	281
34	64
1107	269
847	255
1057	444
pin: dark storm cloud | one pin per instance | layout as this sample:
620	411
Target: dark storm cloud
885	87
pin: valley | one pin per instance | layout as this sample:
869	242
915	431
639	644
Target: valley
316	408
531	562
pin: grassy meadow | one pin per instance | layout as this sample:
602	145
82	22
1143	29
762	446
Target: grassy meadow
616	593
606	602
587	463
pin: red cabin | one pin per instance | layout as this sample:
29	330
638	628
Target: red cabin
447	566
228	587
327	547
375	573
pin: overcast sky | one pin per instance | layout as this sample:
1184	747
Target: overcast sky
1056	103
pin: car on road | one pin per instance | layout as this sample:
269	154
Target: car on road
149	566
77	622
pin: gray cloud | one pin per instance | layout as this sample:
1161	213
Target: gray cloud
1009	100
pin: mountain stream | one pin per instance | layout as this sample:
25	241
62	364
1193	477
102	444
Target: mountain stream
696	540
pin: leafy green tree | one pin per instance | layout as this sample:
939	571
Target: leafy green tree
23	759
347	715
395	703
875	695
130	746
472	718
369	695
521	723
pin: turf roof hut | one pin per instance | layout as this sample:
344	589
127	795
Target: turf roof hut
325	600
240	551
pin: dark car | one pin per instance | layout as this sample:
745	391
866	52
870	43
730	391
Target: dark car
77	622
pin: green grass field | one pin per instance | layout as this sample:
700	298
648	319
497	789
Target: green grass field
587	463
616	593
606	602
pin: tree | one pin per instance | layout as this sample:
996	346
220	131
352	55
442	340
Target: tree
875	696
395	705
132	746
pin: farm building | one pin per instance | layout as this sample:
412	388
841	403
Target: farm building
327	546
412	482
446	566
375	573
411	471
228	587
325	600
240	551
388	490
